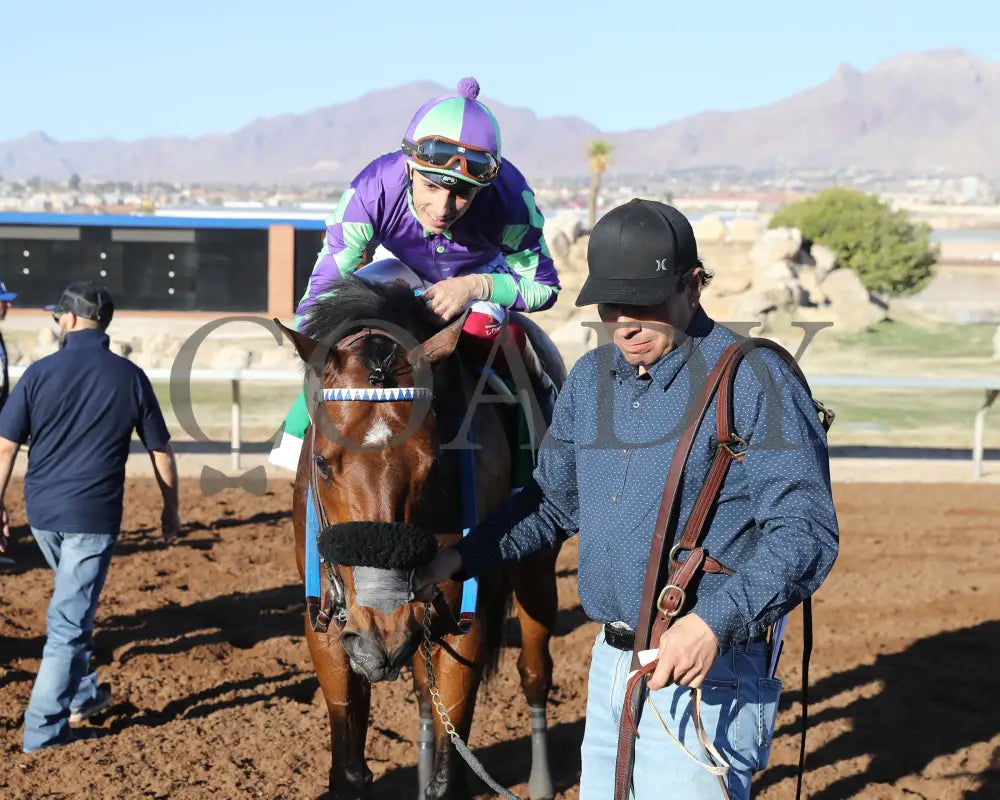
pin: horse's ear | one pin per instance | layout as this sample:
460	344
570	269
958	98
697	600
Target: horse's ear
441	345
304	345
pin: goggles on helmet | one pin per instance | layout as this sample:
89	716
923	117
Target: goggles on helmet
437	152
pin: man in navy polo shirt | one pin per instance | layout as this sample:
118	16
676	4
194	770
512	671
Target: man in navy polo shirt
7	299
79	406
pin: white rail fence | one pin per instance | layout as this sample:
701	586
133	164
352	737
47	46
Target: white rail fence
234	377
990	386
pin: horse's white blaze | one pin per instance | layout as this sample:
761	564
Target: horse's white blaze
379	433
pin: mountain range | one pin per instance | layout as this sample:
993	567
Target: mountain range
918	112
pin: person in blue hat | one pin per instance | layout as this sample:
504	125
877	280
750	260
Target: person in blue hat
79	406
6	301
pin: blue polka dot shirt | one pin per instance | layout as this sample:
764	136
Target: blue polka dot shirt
604	462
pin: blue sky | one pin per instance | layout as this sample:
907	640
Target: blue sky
79	70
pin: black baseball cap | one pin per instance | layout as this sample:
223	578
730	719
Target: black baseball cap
88	300
636	253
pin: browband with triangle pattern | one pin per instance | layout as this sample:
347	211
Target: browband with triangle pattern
376	394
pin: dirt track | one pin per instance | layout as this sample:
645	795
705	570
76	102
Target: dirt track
214	695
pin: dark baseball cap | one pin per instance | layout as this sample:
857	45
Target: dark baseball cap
88	300
636	253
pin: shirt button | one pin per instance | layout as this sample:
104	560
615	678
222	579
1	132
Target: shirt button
440	248
635	404
607	547
614	498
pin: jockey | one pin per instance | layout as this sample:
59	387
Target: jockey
462	225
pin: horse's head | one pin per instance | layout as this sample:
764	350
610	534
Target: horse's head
370	456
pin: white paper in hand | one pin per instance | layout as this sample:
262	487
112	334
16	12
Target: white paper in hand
645	656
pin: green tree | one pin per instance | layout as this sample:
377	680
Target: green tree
74	182
598	157
890	254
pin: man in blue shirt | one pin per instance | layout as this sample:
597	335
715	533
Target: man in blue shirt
7	299
601	471
79	406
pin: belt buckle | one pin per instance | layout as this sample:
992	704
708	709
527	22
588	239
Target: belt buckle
734	441
663	596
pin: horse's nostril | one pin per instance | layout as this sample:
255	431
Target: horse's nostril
361	648
365	654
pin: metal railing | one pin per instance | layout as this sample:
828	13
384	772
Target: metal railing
989	385
234	376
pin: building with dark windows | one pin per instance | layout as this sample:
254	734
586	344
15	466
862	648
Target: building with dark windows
228	262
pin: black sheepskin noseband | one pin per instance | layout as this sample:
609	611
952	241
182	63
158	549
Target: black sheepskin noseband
385	545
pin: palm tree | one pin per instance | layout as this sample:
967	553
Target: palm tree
598	155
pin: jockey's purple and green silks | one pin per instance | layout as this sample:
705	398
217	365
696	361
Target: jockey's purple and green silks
377	209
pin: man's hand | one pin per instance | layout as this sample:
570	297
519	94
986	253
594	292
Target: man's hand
170	523
449	297
4	528
687	651
445	564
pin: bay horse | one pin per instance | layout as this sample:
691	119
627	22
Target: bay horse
385	489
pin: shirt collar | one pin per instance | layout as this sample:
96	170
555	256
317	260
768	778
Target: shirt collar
88	337
665	370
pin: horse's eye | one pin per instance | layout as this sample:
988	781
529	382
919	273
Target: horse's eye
322	466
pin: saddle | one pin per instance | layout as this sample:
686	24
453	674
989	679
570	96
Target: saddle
669	580
525	424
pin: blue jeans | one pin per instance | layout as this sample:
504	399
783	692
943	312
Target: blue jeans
738	710
65	680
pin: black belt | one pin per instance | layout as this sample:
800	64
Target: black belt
619	638
624	639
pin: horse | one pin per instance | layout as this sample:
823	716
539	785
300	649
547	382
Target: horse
383	483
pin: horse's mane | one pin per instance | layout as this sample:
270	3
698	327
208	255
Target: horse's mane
355	298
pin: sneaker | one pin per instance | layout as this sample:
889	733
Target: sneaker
91	707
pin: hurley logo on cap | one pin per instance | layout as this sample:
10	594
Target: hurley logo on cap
661	265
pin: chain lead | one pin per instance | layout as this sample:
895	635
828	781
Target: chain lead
442	712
